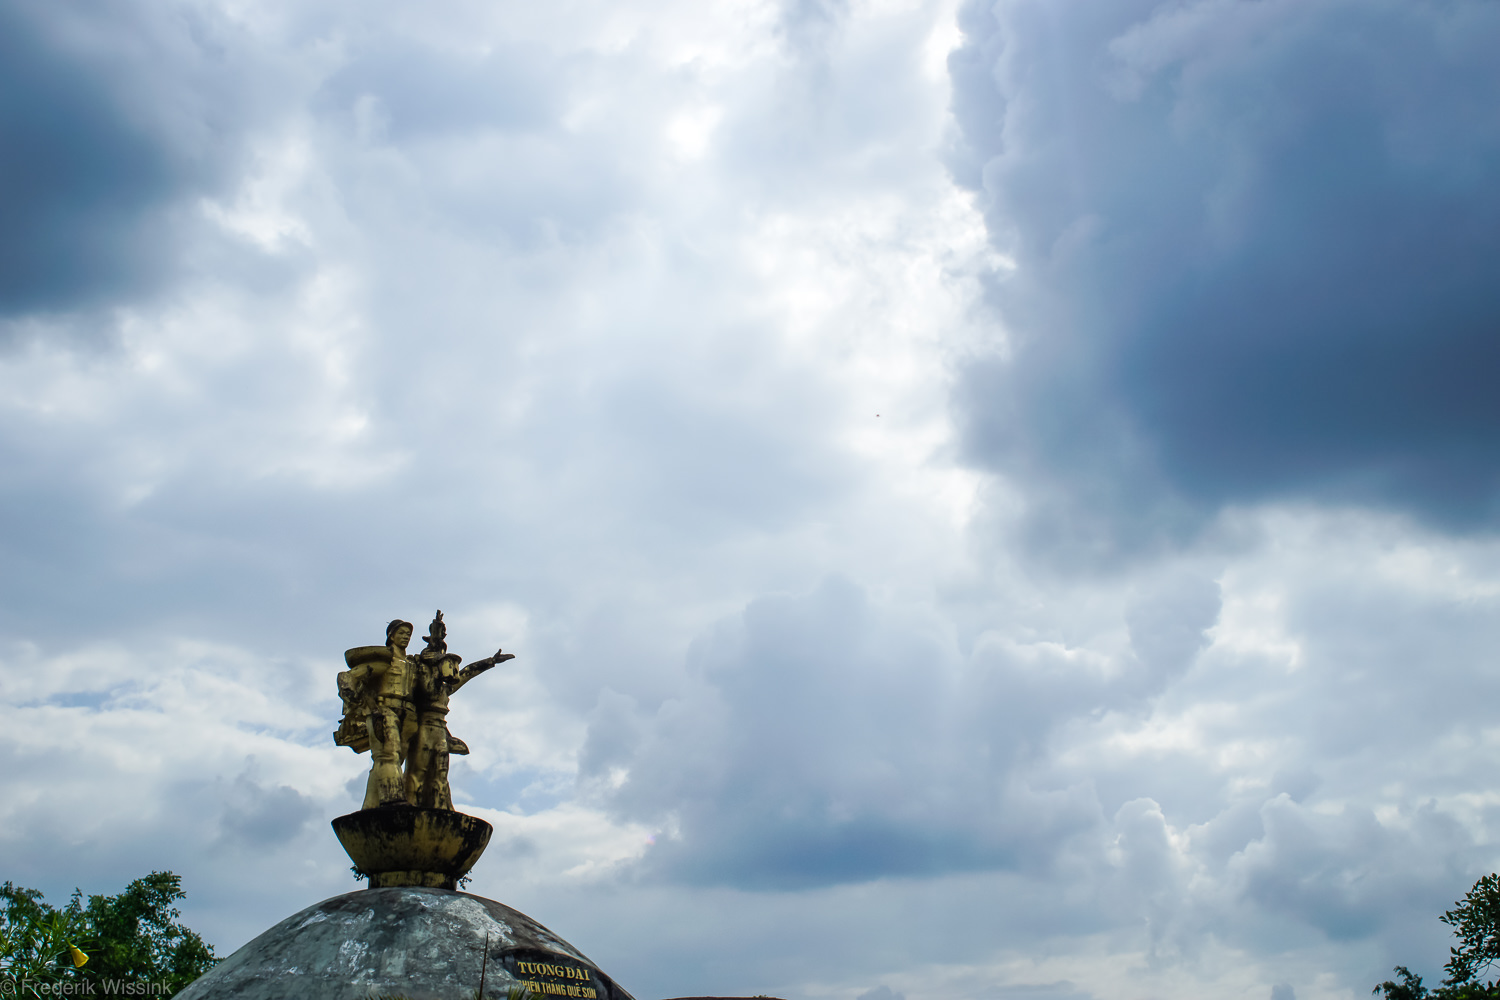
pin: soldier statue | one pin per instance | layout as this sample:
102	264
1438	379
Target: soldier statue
396	707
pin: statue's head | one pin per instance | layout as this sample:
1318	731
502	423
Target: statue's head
437	635
398	633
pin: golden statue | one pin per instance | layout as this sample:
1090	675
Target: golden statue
438	676
396	707
378	711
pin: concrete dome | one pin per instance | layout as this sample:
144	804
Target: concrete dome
426	944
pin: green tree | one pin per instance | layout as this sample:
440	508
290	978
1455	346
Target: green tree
34	938
1475	919
1410	987
133	936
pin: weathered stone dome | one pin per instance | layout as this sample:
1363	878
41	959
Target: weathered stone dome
426	944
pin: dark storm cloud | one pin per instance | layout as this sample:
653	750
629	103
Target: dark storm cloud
112	119
1257	252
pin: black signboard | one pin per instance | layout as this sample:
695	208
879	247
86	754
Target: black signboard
548	975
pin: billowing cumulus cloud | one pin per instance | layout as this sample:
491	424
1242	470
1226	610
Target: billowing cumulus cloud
1255	252
827	739
760	793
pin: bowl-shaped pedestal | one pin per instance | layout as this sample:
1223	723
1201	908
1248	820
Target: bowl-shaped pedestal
405	845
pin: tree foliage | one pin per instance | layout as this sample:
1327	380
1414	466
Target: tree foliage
34	937
1410	987
132	937
1475	920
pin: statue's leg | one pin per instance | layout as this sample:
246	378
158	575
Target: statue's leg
417	763
432	742
415	759
442	794
372	783
385	785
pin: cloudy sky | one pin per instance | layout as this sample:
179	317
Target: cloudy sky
991	500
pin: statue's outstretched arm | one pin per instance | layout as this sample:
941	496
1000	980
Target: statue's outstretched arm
480	666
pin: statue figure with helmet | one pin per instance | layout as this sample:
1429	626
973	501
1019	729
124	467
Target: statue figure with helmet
396	707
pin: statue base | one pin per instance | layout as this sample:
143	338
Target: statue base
403	845
426	944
